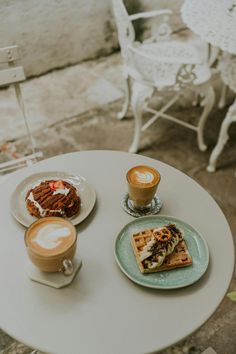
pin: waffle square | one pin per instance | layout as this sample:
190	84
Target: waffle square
179	257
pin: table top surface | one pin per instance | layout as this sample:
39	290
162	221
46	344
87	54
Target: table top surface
213	20
103	311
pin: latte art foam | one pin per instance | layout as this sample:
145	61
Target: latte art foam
143	176
50	236
146	177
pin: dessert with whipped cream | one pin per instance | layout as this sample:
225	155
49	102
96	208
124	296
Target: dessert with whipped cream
160	249
53	198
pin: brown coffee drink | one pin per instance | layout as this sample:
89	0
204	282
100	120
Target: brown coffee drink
49	242
142	185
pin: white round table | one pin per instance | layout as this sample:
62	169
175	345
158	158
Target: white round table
213	20
102	311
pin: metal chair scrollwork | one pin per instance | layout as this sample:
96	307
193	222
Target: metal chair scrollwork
161	63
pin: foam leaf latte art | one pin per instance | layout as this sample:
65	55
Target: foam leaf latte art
49	236
144	177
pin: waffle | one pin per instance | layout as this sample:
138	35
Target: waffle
53	198
154	254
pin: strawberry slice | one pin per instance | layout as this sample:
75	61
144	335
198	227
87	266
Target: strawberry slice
51	185
59	185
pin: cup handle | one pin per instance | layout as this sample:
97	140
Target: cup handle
67	267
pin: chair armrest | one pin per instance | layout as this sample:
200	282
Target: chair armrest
165	59
149	14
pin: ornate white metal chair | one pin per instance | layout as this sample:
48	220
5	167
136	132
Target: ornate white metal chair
161	63
14	74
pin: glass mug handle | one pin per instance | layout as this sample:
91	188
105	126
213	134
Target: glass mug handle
67	267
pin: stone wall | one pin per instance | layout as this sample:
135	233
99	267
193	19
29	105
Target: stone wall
56	33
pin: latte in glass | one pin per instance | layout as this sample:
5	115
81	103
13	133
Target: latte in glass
142	185
50	241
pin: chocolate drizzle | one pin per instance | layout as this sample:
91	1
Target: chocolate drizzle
41	200
159	250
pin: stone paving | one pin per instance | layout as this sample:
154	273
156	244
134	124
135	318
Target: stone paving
75	109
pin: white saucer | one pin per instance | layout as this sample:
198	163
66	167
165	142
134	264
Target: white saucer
154	208
55	280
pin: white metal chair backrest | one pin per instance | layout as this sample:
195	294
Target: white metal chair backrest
126	33
14	74
141	65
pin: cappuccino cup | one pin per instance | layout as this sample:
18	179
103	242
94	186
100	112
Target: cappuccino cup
51	244
142	185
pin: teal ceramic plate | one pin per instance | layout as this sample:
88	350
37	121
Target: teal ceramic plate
172	279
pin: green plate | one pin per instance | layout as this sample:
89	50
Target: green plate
172	279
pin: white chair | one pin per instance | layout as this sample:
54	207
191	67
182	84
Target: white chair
14	74
161	63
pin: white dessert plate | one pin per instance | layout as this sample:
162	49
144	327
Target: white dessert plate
86	193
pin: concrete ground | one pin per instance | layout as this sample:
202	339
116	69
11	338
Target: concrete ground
75	109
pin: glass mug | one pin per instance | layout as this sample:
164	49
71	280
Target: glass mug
51	244
142	185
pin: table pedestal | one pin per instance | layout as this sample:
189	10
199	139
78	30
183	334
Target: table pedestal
228	74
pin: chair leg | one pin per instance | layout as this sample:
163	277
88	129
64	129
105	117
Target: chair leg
195	99
22	108
125	107
223	137
208	103
140	94
17	161
222	100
